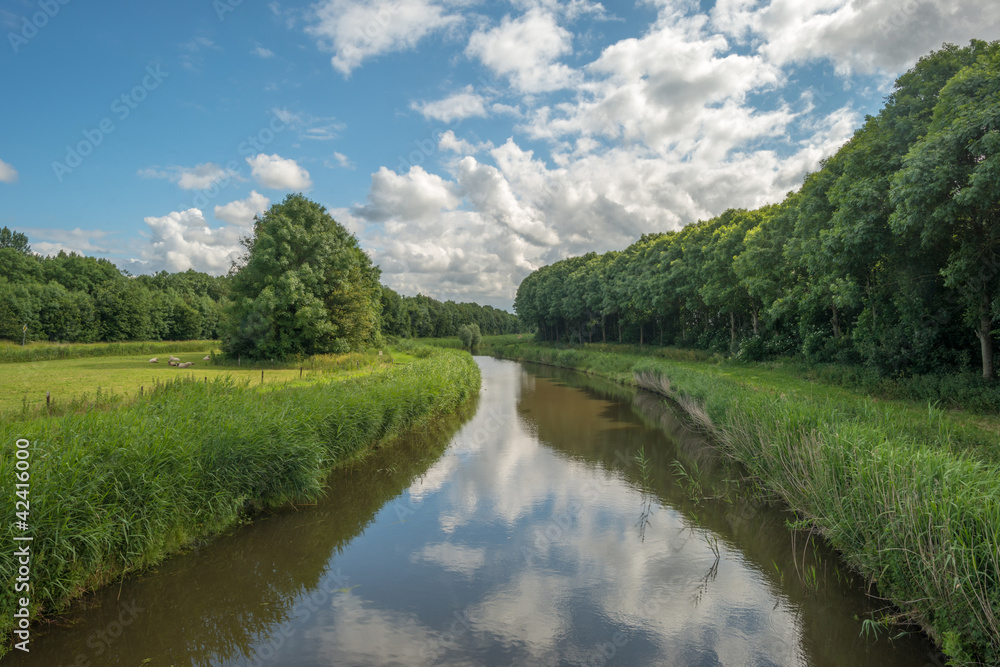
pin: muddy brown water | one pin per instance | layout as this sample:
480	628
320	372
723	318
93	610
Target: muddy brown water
558	520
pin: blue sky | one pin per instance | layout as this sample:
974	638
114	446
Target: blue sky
465	143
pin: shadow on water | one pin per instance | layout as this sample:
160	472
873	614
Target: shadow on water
232	598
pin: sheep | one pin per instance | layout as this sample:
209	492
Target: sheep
154	360
171	363
186	364
207	358
173	358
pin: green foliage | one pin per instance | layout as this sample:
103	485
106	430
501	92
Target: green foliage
423	317
470	336
888	256
305	284
119	490
15	241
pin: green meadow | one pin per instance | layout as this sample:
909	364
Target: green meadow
88	378
115	487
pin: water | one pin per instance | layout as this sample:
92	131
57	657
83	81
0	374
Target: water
559	521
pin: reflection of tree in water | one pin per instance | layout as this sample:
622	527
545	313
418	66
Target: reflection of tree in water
224	600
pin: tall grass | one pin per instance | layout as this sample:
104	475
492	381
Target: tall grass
14	353
116	491
909	509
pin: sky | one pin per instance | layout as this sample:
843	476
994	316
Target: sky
465	143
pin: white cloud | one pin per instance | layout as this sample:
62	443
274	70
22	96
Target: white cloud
7	173
463	104
416	195
450	142
242	211
357	31
342	161
856	35
182	240
199	177
274	171
262	52
525	50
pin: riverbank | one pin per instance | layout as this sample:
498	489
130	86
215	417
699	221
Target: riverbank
113	492
913	506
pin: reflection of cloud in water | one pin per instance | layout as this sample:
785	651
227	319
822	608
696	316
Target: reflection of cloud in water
530	612
578	522
363	635
454	557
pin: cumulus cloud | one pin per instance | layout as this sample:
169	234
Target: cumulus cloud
182	240
242	211
525	50
464	104
198	177
274	171
856	35
416	195
340	160
450	142
356	31
7	173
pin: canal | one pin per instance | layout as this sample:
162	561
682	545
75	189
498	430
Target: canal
558	520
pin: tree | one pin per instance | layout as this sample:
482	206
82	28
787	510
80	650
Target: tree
470	336
15	240
305	287
946	194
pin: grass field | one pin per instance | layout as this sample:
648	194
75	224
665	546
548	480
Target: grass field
108	380
115	491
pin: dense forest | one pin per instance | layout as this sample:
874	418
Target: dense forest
73	298
889	255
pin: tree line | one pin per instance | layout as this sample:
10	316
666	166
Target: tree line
889	255
303	286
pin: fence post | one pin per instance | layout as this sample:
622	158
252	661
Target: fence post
48	398
262	377
140	390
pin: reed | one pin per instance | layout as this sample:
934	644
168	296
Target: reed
115	491
912	503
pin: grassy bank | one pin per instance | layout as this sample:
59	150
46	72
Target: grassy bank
116	491
913	504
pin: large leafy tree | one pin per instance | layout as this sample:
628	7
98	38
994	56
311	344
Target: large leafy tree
304	287
948	192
